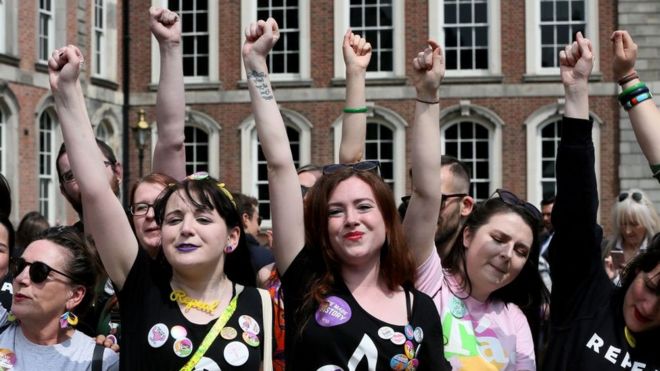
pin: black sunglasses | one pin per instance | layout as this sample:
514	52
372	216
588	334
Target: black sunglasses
511	199
635	196
357	166
38	271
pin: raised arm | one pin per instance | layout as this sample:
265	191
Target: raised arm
420	223
285	197
357	53
169	154
104	215
574	253
644	116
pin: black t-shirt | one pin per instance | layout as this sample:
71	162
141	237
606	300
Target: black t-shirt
587	325
156	335
6	291
343	336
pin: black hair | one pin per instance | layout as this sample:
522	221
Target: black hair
644	262
527	290
11	240
5	196
208	193
459	170
84	266
108	153
548	201
32	224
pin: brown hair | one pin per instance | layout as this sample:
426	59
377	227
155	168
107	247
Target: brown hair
397	267
153	178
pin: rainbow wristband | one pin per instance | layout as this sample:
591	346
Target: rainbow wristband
634	93
637	100
630	89
364	109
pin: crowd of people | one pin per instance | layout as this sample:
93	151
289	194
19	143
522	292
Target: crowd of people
347	279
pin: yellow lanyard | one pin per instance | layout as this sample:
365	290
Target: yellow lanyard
213	333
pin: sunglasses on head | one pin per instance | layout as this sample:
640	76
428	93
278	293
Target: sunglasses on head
511	199
635	196
38	271
357	166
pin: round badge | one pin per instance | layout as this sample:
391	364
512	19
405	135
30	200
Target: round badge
409	349
408	331
178	332
236	353
112	338
457	307
206	364
385	332
228	333
334	312
7	359
183	347
158	335
398	338
250	339
419	334
399	362
412	365
248	324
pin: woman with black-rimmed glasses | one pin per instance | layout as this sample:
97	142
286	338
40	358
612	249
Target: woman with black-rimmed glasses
347	276
53	283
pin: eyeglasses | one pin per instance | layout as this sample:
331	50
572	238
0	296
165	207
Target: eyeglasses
68	176
140	209
635	196
511	199
38	271
357	166
446	198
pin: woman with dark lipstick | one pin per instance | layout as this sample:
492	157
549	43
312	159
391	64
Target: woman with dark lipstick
198	316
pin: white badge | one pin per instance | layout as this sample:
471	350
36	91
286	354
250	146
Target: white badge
236	353
158	335
385	332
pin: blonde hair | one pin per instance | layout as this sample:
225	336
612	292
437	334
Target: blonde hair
639	212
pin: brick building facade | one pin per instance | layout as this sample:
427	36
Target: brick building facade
500	100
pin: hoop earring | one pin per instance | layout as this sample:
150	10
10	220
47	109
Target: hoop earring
68	319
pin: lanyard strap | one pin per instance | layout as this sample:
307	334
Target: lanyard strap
213	333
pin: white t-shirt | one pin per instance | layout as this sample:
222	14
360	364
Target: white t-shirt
73	354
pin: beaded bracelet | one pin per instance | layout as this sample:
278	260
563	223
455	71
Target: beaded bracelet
637	100
634	93
428	101
356	109
629	77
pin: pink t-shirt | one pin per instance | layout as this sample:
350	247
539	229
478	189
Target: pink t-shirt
479	336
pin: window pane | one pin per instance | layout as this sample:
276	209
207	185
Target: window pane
450	13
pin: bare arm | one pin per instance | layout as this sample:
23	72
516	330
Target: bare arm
421	218
644	116
285	197
575	63
104	215
169	154
357	53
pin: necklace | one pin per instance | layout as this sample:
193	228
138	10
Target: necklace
629	337
182	298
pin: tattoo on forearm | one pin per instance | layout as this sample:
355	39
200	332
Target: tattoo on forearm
261	83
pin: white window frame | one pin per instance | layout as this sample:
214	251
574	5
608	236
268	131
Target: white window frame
533	125
341	24
249	149
398	125
5	25
9	27
214	47
249	15
533	36
99	36
437	32
108	114
48	33
53	182
466	111
9	156
108	66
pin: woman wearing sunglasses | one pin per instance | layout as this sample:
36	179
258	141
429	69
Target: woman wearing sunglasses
54	282
635	221
198	315
594	324
346	274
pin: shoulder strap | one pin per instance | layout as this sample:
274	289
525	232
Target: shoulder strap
267	312
97	358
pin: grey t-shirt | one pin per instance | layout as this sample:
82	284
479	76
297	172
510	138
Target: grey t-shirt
73	354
